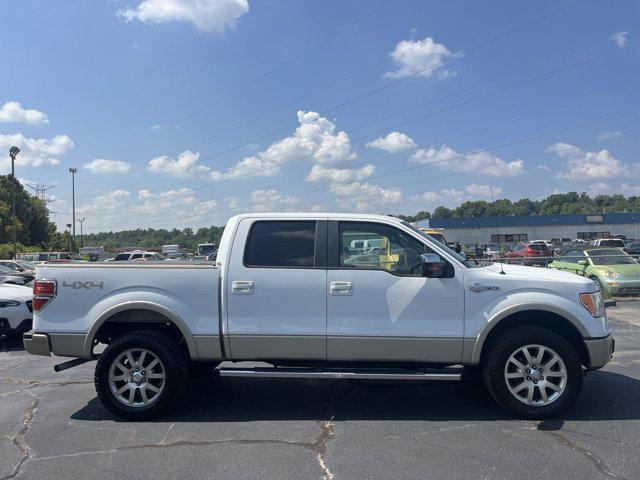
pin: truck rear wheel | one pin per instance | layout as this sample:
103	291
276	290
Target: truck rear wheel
532	372
141	375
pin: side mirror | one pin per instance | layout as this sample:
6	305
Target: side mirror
431	265
583	263
458	247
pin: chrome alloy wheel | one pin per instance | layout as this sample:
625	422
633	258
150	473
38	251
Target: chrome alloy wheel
136	377
535	375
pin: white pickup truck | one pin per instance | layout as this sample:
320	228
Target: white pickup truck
323	296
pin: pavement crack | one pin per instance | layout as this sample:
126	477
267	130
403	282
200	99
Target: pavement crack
18	439
319	447
597	462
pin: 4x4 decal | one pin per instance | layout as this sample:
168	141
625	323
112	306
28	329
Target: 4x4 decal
83	285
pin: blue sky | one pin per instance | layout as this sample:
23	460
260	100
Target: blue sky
183	113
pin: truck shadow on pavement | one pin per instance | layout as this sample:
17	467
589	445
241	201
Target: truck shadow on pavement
605	396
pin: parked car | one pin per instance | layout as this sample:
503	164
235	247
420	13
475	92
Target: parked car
7	275
530	254
632	248
614	270
608	242
283	291
20	266
139	255
490	250
15	309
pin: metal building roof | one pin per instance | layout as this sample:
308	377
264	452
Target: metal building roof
532	220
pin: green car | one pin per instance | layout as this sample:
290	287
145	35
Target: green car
613	269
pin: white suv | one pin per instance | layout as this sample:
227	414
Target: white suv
140	256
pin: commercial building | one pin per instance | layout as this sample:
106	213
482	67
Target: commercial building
522	228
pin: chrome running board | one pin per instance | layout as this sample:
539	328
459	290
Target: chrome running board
362	374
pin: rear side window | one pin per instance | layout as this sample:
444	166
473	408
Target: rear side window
281	244
538	246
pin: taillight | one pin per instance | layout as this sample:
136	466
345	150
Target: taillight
43	292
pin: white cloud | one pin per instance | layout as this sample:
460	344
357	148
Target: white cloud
315	139
599	187
448	159
265	200
186	165
394	142
482	190
579	164
13	112
102	165
416	56
453	196
34	152
544	168
620	38
117	209
609	135
205	15
340	175
629	189
365	196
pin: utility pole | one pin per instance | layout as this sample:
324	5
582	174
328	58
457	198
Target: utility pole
13	152
73	197
70	239
81	222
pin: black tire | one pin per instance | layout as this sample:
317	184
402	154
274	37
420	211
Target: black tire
176	370
497	356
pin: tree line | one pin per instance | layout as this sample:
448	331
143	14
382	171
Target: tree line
571	203
35	231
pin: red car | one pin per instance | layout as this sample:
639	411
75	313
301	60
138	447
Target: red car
530	254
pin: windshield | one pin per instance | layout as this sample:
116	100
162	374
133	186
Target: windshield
5	270
610	256
457	256
611	243
437	236
27	265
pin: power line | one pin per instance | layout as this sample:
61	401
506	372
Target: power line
429	179
416	167
265	74
402	124
417	147
383	87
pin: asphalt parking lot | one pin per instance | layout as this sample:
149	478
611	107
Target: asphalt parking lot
52	426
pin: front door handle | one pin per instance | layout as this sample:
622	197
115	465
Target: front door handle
242	287
340	288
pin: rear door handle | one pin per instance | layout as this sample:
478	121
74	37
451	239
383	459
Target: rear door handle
242	287
340	288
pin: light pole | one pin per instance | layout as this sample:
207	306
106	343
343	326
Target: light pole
70	239
81	221
13	152
73	200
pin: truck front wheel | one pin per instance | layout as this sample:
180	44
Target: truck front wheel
141	375
532	372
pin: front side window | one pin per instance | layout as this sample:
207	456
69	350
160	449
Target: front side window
375	246
136	256
121	257
281	244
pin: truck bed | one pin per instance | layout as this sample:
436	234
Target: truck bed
89	294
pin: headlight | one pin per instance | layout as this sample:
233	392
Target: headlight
8	303
594	303
610	274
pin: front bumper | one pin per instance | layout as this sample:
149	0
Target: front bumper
36	343
600	351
